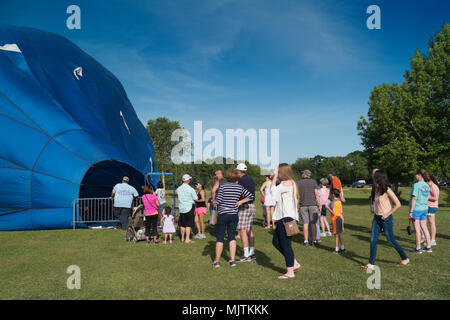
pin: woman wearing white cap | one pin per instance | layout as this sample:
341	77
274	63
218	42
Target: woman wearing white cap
186	203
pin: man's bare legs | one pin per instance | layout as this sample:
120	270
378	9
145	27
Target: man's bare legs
306	232
248	241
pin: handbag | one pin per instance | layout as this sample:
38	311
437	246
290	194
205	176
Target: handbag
213	220
291	227
408	228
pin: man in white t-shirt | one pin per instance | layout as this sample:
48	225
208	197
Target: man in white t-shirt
123	195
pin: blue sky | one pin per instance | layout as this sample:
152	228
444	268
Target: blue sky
304	67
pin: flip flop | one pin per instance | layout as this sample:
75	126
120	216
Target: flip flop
403	264
284	276
298	268
367	267
189	241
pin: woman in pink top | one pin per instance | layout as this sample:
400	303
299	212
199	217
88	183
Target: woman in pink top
433	203
151	204
324	194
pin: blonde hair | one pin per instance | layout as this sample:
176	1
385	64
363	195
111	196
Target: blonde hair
285	174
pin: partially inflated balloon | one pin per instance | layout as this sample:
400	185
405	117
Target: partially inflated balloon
67	130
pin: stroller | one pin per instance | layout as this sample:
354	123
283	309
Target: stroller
136	228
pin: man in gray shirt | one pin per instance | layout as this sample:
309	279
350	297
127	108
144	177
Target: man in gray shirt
309	205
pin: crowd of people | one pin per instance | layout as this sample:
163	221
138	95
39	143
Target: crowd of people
285	202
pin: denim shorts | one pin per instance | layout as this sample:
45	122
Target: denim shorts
228	221
323	212
432	211
420	215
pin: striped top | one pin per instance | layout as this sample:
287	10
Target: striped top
228	194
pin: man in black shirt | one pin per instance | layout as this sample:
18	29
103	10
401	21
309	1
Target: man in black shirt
246	215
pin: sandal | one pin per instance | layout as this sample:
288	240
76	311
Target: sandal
298	268
285	276
401	264
367	267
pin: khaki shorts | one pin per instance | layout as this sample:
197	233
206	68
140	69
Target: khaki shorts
309	214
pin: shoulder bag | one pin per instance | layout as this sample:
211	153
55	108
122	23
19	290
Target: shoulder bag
291	226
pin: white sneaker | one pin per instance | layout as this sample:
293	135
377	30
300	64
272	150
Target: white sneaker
329	234
433	243
323	234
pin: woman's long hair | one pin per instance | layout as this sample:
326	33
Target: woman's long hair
381	182
434	180
285	173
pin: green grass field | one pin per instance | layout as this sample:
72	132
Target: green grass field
33	264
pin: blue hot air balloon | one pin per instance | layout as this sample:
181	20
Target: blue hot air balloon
67	130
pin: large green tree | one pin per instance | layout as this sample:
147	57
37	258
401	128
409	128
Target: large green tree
160	131
407	124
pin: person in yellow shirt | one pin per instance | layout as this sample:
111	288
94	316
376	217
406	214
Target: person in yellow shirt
337	217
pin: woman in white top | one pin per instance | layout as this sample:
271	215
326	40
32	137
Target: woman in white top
286	197
269	201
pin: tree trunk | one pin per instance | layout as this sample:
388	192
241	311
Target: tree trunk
397	193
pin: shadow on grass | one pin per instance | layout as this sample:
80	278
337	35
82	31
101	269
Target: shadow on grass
443	236
350	255
261	258
369	231
382	241
354	227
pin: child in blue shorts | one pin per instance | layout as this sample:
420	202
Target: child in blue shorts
418	208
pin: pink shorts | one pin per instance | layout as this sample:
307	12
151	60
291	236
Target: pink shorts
201	210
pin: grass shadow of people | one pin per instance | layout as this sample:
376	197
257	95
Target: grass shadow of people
263	260
384	242
354	227
210	249
352	256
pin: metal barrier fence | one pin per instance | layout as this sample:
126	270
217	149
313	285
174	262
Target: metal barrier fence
96	210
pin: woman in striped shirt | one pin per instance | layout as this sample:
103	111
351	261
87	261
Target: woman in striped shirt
229	197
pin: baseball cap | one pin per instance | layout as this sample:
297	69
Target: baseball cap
186	177
126	179
241	167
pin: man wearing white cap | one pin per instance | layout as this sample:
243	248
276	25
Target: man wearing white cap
186	202
246	215
123	195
